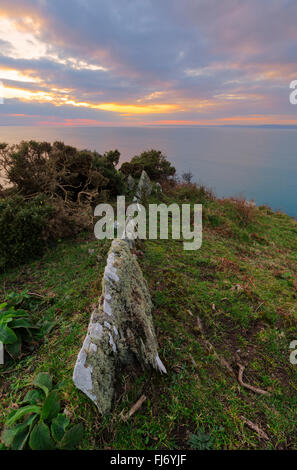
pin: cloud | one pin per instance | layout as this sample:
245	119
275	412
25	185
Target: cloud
191	61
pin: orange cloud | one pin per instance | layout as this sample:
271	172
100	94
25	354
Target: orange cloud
58	98
7	73
27	95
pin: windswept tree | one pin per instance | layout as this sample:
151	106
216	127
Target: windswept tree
50	195
59	170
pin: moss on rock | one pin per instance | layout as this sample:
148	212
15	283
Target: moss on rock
121	328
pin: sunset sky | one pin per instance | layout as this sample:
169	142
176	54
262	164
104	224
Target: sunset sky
147	62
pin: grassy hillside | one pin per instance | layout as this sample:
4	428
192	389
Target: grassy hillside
232	302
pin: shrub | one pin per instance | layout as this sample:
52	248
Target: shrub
106	164
57	187
41	426
214	220
153	162
244	211
187	177
23	226
189	192
59	170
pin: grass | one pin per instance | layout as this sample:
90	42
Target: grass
242	284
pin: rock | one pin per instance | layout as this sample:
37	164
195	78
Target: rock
131	183
250	203
158	188
237	288
144	187
121	329
128	236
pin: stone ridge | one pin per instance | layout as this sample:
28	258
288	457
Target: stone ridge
121	329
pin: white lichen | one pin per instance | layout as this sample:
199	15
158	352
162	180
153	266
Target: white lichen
112	343
110	272
82	375
107	308
160	365
95	330
115	331
93	347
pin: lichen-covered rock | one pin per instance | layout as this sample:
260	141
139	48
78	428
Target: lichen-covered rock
144	187
121	329
158	188
131	183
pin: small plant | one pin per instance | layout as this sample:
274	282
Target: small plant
200	441
15	328
39	425
16	325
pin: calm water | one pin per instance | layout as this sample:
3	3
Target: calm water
260	164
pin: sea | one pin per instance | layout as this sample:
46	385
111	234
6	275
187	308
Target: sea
259	164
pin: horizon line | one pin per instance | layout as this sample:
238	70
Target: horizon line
253	126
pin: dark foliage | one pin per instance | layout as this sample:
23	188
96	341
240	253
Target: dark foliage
59	170
23	225
153	162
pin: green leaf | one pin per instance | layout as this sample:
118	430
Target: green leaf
7	335
5	318
200	441
51	406
45	327
40	438
18	414
2	306
14	349
21	313
30	420
20	439
11	313
33	397
9	434
21	323
72	437
58	427
43	381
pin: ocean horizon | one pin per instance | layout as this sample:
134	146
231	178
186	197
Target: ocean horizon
257	163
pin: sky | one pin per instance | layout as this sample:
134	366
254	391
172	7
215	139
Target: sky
147	62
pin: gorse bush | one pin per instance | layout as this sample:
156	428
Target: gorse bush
38	424
59	170
189	192
53	189
106	164
153	162
23	225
